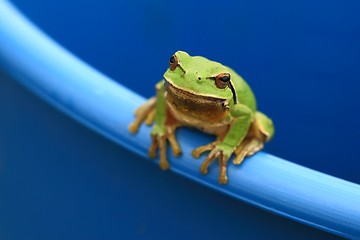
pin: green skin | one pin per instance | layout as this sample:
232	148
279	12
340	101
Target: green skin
240	129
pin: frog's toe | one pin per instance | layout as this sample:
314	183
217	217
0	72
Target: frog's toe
153	147
224	159
198	151
176	150
164	165
248	148
222	153
223	179
204	169
133	127
238	159
142	113
210	158
159	142
150	118
173	142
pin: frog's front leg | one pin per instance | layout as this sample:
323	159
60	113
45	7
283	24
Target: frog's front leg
163	130
222	149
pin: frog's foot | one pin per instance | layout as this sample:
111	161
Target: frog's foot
159	142
145	112
218	151
198	151
247	148
170	135
160	136
150	118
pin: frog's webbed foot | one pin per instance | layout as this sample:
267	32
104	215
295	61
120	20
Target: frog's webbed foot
145	112
170	135
159	142
150	118
198	151
247	148
160	136
217	151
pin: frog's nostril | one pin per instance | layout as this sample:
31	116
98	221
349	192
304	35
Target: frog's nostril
199	78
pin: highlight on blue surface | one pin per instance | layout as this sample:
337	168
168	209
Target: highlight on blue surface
60	78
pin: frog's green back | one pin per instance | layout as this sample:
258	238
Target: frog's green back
243	90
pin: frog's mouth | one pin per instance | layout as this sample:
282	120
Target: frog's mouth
191	94
198	106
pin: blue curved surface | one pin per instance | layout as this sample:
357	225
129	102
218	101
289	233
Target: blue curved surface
95	100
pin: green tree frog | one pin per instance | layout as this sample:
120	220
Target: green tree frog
211	97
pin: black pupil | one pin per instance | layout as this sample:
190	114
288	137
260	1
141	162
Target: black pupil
225	78
172	59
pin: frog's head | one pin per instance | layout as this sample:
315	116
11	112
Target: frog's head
199	76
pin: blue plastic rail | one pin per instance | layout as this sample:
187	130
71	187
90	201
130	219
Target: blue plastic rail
60	78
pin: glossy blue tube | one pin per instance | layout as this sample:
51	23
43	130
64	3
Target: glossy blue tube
93	99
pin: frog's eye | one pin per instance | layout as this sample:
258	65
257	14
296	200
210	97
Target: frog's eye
222	80
173	62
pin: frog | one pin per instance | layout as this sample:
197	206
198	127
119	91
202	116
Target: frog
211	97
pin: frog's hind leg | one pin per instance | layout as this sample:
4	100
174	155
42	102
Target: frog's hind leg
247	148
264	125
145	112
261	130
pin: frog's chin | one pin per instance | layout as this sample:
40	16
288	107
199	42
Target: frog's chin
170	86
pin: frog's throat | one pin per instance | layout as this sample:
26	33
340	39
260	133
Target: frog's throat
194	106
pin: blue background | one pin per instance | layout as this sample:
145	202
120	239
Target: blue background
302	59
